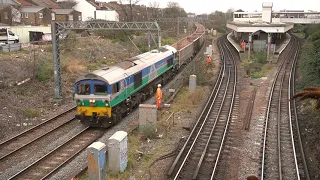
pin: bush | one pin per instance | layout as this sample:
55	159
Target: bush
258	60
310	61
44	71
115	36
70	42
168	41
148	131
31	113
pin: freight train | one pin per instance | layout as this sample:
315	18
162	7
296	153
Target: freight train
103	97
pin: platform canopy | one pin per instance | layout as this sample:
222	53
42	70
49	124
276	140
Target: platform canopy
254	27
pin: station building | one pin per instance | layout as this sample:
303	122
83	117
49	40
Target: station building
266	30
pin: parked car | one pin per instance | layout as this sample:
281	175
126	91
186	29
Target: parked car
8	36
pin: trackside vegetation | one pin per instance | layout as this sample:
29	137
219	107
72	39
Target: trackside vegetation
310	57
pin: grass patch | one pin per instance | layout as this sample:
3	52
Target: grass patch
168	41
187	101
257	67
256	75
98	64
31	113
74	67
299	35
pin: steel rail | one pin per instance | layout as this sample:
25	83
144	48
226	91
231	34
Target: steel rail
37	138
304	162
215	90
42	158
279	123
290	115
211	132
37	126
205	120
267	115
229	115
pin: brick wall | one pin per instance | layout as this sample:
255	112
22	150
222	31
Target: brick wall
76	15
34	18
61	17
2	15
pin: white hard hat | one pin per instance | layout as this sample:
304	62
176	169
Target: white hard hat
208	55
159	85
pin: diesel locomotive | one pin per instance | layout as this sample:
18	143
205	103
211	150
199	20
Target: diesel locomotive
104	96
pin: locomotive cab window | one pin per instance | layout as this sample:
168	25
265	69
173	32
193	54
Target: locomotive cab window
170	62
100	89
84	89
137	79
115	88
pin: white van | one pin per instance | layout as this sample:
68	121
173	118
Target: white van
7	35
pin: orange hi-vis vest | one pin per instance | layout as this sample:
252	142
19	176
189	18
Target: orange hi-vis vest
159	94
208	59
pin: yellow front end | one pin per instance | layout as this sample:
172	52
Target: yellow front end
89	111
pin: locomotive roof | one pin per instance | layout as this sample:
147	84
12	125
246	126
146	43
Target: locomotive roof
114	73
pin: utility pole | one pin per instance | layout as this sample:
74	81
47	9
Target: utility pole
268	50
178	28
249	51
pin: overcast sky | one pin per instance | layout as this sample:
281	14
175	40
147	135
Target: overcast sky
208	6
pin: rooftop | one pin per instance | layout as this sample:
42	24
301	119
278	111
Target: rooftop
258	24
33	9
62	11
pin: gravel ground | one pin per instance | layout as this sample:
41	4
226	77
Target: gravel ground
26	152
241	157
36	154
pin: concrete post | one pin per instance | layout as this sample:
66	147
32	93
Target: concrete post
210	50
118	151
97	161
192	83
268	50
249	50
147	116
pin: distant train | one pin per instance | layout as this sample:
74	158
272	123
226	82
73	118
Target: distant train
105	96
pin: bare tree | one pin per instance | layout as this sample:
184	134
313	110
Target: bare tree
15	16
154	7
229	13
130	3
67	4
174	10
173	5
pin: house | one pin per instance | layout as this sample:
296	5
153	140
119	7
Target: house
36	15
67	15
9	14
108	15
93	10
87	9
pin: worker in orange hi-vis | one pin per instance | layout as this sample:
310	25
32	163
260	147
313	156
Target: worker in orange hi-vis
243	44
159	96
208	60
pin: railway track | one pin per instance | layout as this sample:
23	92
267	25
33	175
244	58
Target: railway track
279	157
199	156
29	136
52	161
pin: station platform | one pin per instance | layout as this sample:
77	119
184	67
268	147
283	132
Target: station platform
279	47
283	45
234	43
